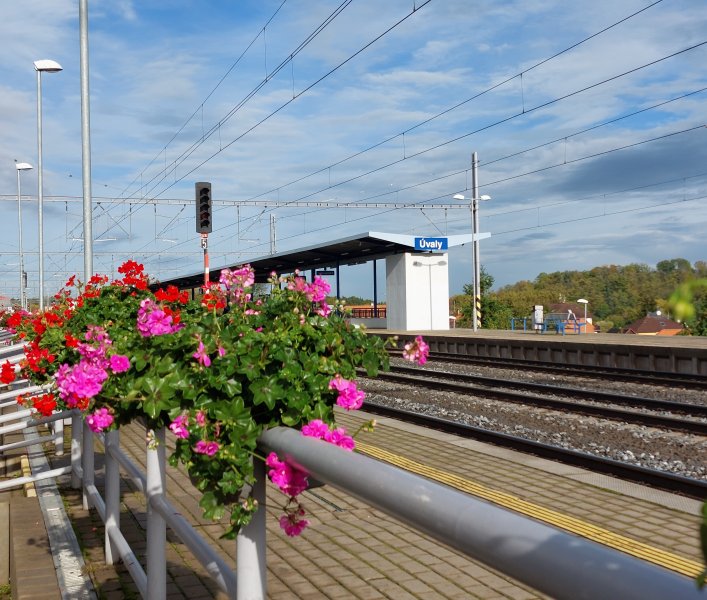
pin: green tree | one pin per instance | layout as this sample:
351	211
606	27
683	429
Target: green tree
616	294
495	314
355	300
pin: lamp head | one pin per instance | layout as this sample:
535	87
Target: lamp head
23	166
463	197
48	66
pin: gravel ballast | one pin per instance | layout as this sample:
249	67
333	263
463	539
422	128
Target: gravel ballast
680	453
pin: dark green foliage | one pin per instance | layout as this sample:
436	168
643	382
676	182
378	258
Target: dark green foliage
618	295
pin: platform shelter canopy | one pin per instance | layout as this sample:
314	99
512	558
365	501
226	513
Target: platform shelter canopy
351	250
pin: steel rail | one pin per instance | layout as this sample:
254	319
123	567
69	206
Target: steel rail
604	412
693	410
617	373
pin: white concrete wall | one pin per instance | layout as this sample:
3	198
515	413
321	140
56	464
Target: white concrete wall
395	293
417	291
375	323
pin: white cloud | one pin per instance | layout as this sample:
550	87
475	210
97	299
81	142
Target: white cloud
152	65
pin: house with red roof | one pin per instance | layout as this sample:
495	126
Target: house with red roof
654	324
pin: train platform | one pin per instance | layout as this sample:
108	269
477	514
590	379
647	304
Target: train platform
611	339
681	355
354	551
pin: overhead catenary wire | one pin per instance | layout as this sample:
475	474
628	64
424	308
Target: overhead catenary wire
419	124
507	119
423	202
539	63
161	175
496	123
222	147
153	198
210	94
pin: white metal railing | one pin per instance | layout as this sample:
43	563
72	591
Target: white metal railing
552	561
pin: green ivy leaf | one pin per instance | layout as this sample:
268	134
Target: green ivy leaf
212	508
266	391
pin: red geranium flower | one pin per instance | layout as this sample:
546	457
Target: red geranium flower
45	404
7	372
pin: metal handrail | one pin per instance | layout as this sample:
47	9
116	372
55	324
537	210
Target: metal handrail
548	559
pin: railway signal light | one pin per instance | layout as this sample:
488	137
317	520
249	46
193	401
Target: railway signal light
203	207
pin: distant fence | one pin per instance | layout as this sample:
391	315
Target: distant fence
368	313
552	561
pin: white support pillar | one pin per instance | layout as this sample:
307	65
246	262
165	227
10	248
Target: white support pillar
156	526
112	495
76	424
87	462
251	544
417	291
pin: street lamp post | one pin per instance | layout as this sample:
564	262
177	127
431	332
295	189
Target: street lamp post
21	167
41	66
476	308
585	302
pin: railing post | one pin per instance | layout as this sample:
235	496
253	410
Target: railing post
156	526
76	421
58	430
250	545
87	463
112	495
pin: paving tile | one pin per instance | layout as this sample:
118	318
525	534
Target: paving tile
354	551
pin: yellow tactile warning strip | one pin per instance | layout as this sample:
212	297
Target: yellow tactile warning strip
571	524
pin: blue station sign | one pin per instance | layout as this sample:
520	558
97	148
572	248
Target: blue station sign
431	244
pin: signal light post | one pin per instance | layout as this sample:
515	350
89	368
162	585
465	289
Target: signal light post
203	221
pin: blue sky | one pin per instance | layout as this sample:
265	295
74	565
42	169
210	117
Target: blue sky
590	130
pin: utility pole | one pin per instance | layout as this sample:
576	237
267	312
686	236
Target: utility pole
476	309
273	235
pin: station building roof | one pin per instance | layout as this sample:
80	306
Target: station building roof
351	250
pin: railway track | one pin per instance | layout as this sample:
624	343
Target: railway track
596	403
616	374
668	416
692	488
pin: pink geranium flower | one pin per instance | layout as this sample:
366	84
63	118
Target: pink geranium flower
292	524
119	363
179	426
320	430
152	320
317	291
350	397
338	437
202	356
298	284
316	429
240	278
208	448
324	309
289	479
83	380
416	351
99	420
